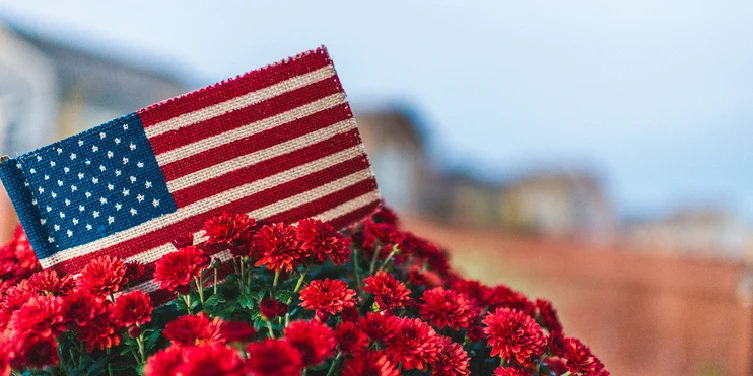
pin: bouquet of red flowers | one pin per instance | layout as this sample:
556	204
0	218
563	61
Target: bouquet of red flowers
294	299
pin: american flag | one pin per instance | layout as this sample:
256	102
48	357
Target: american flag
279	143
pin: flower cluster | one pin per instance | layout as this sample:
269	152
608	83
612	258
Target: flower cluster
253	298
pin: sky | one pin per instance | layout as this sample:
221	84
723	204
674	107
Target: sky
655	96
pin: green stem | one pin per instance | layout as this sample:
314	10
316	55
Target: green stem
109	363
377	250
200	288
243	277
215	281
274	283
271	332
334	363
140	342
187	299
389	257
567	373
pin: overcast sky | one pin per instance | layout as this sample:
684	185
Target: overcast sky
656	95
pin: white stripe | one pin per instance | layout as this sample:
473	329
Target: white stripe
244	161
226	197
248	130
239	102
350	206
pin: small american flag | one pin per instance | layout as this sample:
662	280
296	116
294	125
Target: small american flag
279	143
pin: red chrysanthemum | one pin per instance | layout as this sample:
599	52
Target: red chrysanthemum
194	330
273	358
80	307
35	351
41	316
101	330
508	371
382	236
503	297
176	271
103	276
350	338
233	231
134	270
321	240
579	357
315	341
548	315
237	331
211	361
48	282
452	360
476	333
277	247
371	364
329	296
389	293
475	290
133	308
442	308
513	335
385	215
14	298
415	345
378	326
271	308
165	362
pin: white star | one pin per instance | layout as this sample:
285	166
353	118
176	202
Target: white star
60	183
125	160
75	221
80	143
140	164
43	221
41	190
155	203
33	171
88	226
102	168
133	212
51	239
52	163
54	194
88	162
67	202
95	214
47	177
133	179
66	169
125	126
125	192
94	148
62	215
118	206
73	188
110	187
73	156
117	141
70	233
87	194
140	198
80	208
34	202
18	166
102	135
132	146
110	154
95	180
59	150
39	158
57	227
148	184
80	175
117	172
102	200
49	209
110	220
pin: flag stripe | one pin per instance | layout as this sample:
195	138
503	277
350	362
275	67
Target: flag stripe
271	161
229	136
259	141
213	123
221	92
294	193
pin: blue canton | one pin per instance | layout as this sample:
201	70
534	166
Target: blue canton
95	184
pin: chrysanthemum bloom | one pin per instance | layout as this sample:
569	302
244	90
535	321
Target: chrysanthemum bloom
164	362
134	270
321	240
101	331
389	293
508	371
475	290
504	297
237	331
415	345
176	271
513	335
380	235
314	340
271	308
379	327
579	357
371	364
133	308
194	330
350	338
385	215
47	282
349	314
277	247
40	316
233	231
442	308
476	333
14	298
214	360
79	307
452	360
103	276
329	296
273	358
549	316
35	351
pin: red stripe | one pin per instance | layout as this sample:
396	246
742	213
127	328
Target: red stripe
305	63
189	134
266	168
247	204
355	216
258	141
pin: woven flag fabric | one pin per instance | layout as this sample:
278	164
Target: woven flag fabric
279	143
